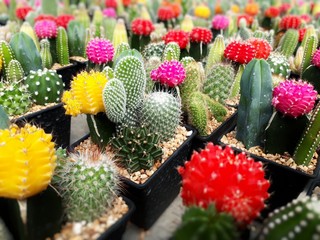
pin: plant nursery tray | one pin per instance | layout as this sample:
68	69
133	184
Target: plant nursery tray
68	72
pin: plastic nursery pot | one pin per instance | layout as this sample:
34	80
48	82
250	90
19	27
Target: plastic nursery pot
312	185
53	120
286	183
69	71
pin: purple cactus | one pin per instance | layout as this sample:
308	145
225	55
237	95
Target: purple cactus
170	73
316	58
45	29
220	22
294	98
100	51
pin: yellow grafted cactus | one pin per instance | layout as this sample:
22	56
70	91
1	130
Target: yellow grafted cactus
85	95
202	11
27	161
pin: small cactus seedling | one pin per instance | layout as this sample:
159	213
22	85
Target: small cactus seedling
244	195
122	47
199	40
309	50
141	30
4	119
240	52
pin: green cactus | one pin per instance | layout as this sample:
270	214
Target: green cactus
82	15
151	64
218	82
310	140
309	32
311	75
97	21
311	47
215	53
235	88
137	148
255	107
216	109
200	223
187	60
88	183
289	42
109	25
4	120
279	65
245	33
171	52
108	71
26	52
27	28
297	220
259	34
14	72
120	49
6	54
62	47
45	86
153	50
76	38
161	113
45	53
49	7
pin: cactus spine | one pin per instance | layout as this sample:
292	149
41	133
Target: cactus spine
310	140
216	52
62	46
289	42
45	53
255	107
14	72
311	47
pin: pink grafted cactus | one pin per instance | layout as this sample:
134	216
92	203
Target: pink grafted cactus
220	22
294	98
100	51
109	12
316	58
171	73
46	29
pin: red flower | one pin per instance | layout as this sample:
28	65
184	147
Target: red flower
22	12
142	27
63	20
200	34
261	46
240	52
165	13
178	36
272	12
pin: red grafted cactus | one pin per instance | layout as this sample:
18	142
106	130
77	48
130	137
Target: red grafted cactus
316	58
110	3
45	29
220	22
171	73
290	21
200	34
284	8
142	27
294	98
261	46
235	183
126	3
178	36
302	31
100	51
63	20
21	12
248	18
272	12
240	52
44	17
165	13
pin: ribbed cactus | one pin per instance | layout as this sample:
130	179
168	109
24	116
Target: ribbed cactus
45	86
153	50
6	54
137	148
218	82
14	72
45	53
279	65
215	53
310	140
88	182
76	38
161	113
62	47
32	161
289	42
119	33
309	50
299	219
255	107
171	52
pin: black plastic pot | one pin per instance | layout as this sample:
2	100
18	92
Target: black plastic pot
286	183
312	185
68	72
53	120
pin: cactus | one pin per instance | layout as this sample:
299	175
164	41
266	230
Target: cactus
290	21
122	47
76	38
64	20
4	120
119	34
216	109
279	65
6	54
109	25
88	182
45	53
311	47
199	223
137	148
45	86
215	53
187	60
28	29
240	52
165	15
14	72
108	71
154	50
62	47
220	22
199	40
171	52
297	220
245	33
141	30
218	82
296	61
310	31
187	23
32	161
49	7
161	113
262	47
243	197
235	88
99	51
158	33
46	29
310	140
289	42
255	107
177	36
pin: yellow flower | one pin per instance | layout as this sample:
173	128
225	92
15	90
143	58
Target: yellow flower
202	11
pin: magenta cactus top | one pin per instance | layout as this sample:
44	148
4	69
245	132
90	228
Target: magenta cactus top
100	51
220	22
45	29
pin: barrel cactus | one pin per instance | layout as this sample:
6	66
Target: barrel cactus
279	65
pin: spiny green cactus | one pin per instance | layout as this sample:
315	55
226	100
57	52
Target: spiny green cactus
187	60
200	223
258	34
218	82
235	88
121	48
137	148
289	42
88	182
82	15
216	109
6	54
299	219
245	33
45	53
108	71
309	32
311	47
45	86
4	120
151	64
215	53
310	140
255	107
14	72
26	52
153	50
161	113
171	52
97	21
279	65
76	38
62	47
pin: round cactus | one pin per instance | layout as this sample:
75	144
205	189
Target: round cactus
161	113
178	36
46	29
28	157
200	34
202	11
45	86
290	21
165	13
170	73
153	50
204	180
261	46
109	12
22	12
220	22
100	51
88	182
294	98
272	12
316	59
63	20
240	52
279	65
142	27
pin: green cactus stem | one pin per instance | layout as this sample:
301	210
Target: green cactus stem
108	71
4	120
245	33
235	88
310	140
216	109
171	52
62	47
311	47
198	50
289	42
14	71
76	38
139	41
6	54
255	107
120	49
309	32
215	53
109	24
45	53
